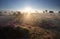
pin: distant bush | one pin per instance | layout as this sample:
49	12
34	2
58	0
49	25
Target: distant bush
0	13
58	11
51	11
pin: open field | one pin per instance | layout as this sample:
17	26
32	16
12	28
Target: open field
30	26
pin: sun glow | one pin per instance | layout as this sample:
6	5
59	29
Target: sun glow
28	10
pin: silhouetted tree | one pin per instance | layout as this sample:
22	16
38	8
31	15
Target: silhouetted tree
0	13
51	11
58	11
43	11
18	12
14	13
5	11
46	11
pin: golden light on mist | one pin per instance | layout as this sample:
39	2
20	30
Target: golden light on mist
27	18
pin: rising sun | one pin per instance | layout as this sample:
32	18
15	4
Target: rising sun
28	10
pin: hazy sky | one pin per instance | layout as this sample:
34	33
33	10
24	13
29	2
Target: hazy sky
35	4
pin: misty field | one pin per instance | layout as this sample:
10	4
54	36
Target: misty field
30	26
